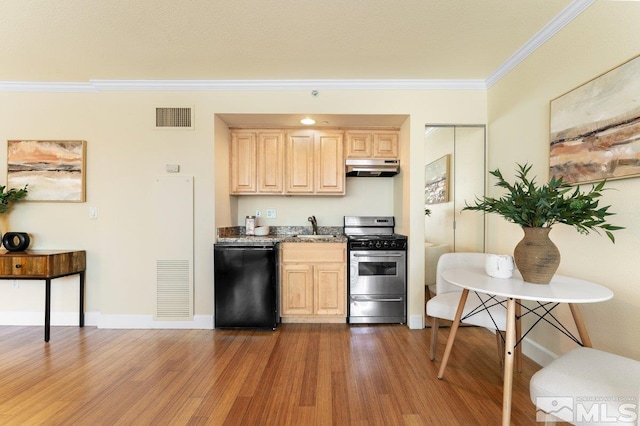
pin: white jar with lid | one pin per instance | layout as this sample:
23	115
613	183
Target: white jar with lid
250	225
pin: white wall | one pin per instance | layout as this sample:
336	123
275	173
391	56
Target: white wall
604	36
125	152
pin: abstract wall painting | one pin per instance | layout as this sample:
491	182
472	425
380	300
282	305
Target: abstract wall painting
54	170
595	128
436	181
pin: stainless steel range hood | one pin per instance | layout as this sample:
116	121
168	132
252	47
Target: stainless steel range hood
372	167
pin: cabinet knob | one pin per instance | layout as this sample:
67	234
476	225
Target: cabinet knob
18	266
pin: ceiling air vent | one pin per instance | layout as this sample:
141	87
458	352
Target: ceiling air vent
174	118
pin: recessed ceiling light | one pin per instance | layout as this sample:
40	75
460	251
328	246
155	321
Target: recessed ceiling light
308	121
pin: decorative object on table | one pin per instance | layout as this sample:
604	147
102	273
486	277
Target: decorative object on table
7	198
54	170
536	209
16	241
436	181
588	146
499	265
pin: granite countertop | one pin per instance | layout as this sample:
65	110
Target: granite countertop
282	234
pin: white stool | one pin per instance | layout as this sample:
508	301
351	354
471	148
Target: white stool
588	386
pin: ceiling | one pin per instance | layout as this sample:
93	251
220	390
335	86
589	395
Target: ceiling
85	40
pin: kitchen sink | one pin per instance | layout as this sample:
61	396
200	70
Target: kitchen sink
313	237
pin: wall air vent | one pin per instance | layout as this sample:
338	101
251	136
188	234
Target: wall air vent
172	247
174	118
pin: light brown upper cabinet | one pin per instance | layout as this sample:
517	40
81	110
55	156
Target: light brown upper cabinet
257	162
371	144
314	163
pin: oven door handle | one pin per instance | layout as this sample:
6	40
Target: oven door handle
377	255
376	299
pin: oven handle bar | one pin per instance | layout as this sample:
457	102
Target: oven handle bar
377	255
376	299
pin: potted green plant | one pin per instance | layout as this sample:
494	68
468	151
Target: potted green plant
7	199
536	208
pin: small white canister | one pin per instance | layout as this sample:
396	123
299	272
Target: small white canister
250	225
499	266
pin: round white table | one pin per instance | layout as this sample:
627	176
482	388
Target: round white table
561	289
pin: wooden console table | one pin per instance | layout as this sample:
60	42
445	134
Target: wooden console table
45	265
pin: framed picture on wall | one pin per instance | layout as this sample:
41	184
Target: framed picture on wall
595	128
54	170
436	181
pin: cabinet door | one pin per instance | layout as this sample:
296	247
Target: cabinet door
297	289
329	164
299	165
359	144
242	165
385	145
330	289
270	162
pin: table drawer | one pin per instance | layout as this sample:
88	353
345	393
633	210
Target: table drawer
42	266
19	266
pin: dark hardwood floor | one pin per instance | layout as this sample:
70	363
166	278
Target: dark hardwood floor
300	374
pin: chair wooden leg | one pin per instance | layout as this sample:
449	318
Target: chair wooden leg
435	324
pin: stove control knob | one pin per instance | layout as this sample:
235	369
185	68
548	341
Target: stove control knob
386	244
371	244
393	244
378	244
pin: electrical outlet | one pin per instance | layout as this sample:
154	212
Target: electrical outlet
271	213
258	213
93	212
15	284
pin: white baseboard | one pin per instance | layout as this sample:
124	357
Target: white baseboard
199	322
37	318
416	322
537	353
96	319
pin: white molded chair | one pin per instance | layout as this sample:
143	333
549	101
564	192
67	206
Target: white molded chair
445	303
587	386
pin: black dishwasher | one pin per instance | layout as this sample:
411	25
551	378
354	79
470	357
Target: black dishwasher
245	287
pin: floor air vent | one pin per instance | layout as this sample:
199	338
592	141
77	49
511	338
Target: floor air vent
173	291
174	118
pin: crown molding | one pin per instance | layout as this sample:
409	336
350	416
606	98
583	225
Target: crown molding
38	86
223	85
562	19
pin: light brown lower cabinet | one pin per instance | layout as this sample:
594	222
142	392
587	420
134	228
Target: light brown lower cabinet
313	284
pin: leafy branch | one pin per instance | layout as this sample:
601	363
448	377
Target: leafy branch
11	196
530	205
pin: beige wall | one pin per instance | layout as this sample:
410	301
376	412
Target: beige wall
601	38
125	153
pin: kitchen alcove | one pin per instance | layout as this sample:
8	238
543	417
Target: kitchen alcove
464	147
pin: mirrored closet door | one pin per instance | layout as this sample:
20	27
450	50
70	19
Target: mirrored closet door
455	172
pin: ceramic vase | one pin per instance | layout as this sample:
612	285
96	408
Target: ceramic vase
536	256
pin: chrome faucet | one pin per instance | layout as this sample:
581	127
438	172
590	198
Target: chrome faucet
314	224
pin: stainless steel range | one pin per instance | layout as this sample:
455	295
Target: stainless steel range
377	270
